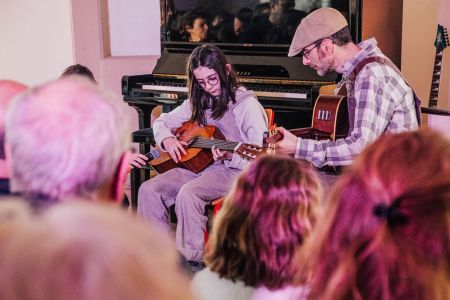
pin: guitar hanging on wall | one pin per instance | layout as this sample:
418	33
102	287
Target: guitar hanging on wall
440	43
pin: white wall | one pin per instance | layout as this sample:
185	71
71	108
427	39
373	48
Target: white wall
36	39
134	27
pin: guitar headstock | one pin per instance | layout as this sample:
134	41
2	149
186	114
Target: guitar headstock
441	41
251	152
271	137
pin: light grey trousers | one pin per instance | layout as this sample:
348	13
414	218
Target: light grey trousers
190	193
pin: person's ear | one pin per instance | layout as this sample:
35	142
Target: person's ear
327	46
229	69
118	182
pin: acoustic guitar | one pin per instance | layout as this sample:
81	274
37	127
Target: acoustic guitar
330	121
200	139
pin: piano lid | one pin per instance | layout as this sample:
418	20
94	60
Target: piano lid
258	62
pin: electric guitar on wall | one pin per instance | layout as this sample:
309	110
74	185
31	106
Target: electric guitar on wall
440	43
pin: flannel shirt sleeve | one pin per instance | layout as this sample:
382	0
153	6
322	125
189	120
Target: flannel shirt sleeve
372	113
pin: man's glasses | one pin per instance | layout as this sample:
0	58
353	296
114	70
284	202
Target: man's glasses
213	80
305	53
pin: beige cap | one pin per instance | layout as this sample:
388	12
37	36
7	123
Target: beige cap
317	25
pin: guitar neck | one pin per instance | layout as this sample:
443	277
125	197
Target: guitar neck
434	92
199	142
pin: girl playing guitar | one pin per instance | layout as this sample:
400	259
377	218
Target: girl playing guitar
215	98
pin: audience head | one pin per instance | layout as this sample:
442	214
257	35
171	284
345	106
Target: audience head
210	76
262	9
79	70
277	8
81	250
264	221
8	89
221	18
195	24
242	20
68	138
386	233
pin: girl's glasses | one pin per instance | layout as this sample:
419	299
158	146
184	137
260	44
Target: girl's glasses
213	80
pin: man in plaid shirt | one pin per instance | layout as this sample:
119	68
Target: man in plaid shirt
379	99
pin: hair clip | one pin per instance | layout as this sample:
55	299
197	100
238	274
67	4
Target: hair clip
390	213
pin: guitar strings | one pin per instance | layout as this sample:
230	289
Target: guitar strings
208	143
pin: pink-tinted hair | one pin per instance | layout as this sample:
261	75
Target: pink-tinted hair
386	233
264	220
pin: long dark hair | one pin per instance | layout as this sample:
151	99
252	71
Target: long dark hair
211	57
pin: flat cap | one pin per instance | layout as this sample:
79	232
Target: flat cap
317	25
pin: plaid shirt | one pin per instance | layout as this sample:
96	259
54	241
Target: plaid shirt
383	103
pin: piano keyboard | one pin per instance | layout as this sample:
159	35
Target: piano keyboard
167	89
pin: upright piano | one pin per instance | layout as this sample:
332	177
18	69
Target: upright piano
281	83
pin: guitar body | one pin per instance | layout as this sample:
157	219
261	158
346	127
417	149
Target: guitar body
330	122
195	159
330	116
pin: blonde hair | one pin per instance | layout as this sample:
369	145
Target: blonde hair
386	233
81	250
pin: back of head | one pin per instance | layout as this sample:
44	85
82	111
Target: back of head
264	221
386	233
87	251
66	138
285	4
79	70
244	15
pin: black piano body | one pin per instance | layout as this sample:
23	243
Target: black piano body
281	83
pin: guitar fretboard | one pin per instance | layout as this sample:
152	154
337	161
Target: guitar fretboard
199	142
434	92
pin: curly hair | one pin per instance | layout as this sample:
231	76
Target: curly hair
264	221
386	233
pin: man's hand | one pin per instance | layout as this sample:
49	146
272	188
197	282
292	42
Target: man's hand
174	147
289	142
219	155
